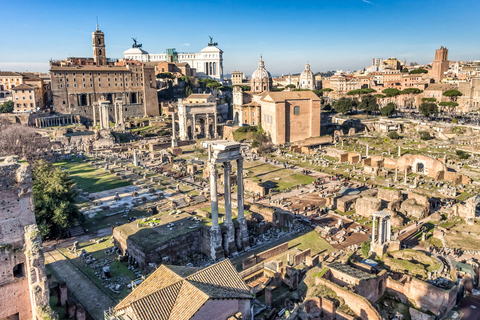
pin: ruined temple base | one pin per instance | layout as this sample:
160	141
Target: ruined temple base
175	151
381	249
216	249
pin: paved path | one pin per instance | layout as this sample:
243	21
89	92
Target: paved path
89	295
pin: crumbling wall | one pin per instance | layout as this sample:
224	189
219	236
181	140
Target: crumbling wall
367	205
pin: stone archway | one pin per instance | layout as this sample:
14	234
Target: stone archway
236	119
420	167
202	133
210	129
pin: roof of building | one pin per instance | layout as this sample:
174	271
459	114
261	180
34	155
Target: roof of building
199	96
135	51
354	272
439	87
9	74
24	87
88	68
290	95
175	292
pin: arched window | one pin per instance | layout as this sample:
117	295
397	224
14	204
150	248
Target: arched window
99	52
133	98
296	110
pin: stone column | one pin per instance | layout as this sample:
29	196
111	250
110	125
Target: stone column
399	151
100	115
366	155
215	124
216	249
389	230
174	134
373	229
208	127
194	128
115	120
214	194
405	180
242	241
228	209
380	230
396	174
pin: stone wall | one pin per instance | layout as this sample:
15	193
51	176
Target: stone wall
367	205
360	305
425	296
254	187
23	285
302	257
262	256
389	194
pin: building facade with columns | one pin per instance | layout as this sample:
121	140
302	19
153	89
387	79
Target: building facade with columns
198	117
77	83
208	63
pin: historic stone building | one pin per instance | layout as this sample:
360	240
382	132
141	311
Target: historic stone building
208	63
27	98
198	117
261	79
246	107
307	79
291	116
440	64
23	282
77	83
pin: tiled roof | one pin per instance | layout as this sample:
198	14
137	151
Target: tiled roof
24	87
177	293
290	95
440	87
199	96
9	74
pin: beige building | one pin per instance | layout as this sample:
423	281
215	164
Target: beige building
470	101
237	78
77	83
27	98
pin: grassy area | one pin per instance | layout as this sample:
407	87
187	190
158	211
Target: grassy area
276	177
415	263
313	241
117	269
91	179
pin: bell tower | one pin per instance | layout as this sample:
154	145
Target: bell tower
99	54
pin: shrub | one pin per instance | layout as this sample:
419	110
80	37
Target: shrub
424	135
455	120
366	249
394	135
462	154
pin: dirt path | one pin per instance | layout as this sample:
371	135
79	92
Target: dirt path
90	296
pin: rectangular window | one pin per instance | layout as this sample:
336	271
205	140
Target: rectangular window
296	110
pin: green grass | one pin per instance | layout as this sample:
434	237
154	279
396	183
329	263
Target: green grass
91	179
416	263
313	241
117	268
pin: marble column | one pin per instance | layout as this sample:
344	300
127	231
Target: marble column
399	151
214	195
208	127
215	124
174	134
396	174
243	241
389	230
232	247
373	229
380	230
115	120
366	155
194	128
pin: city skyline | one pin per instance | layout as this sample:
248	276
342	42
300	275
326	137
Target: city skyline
288	36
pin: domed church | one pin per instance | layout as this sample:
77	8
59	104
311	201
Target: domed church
307	79
261	79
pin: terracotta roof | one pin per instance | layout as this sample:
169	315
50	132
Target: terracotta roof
24	87
177	293
9	74
440	87
290	95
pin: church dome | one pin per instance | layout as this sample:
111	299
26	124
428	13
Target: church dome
261	72
261	79
307	78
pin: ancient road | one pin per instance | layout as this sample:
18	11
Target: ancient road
89	295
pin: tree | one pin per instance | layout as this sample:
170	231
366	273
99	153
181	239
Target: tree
428	109
369	104
7	107
404	70
379	96
365	248
388	110
449	104
424	135
343	105
23	142
322	91
411	91
291	86
394	135
54	196
391	92
429	99
166	75
418	71
462	154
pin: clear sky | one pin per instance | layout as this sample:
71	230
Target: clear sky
330	35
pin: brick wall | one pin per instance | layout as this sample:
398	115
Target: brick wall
301	256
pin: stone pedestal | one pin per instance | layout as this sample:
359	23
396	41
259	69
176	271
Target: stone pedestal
216	250
176	151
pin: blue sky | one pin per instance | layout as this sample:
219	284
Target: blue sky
330	35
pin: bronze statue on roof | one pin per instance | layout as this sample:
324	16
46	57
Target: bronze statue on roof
212	44
135	45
